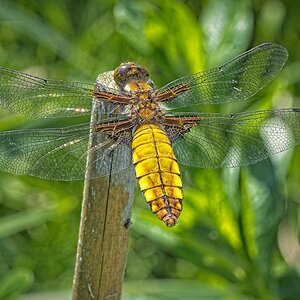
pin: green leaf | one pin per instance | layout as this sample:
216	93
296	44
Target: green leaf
14	283
227	27
17	222
176	289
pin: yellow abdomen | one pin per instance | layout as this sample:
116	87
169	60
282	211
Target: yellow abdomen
157	171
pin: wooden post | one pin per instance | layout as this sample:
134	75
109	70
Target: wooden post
103	234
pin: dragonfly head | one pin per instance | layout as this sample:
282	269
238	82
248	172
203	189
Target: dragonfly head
130	72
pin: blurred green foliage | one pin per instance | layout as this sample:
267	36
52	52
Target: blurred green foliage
238	235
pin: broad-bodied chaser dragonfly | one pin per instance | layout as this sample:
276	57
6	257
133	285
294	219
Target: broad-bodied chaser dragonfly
139	128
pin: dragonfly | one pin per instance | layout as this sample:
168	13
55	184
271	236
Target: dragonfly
139	126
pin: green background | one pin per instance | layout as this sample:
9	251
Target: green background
238	235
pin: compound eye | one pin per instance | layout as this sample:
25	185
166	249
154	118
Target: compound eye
120	74
145	73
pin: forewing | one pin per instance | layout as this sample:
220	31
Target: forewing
236	140
61	153
234	81
29	95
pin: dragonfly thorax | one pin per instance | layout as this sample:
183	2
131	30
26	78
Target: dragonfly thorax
145	108
134	79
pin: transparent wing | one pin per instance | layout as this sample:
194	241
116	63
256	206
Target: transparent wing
236	140
61	153
234	81
28	95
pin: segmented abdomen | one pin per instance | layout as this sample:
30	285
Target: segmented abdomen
158	173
